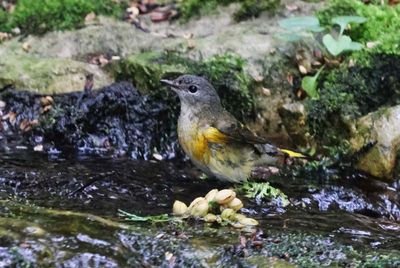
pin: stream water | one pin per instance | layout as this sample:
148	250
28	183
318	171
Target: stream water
59	207
47	219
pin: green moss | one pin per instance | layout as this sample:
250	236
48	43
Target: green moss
39	17
349	93
382	26
253	8
248	8
225	72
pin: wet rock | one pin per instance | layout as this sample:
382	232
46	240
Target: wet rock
381	130
116	119
48	75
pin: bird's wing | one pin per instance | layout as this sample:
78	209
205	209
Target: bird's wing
230	130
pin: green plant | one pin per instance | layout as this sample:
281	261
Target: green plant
136	218
41	16
309	84
300	27
262	191
381	28
342	42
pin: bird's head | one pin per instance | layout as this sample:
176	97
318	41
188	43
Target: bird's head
193	90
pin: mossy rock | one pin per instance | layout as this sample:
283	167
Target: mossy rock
349	93
247	8
145	70
48	75
380	129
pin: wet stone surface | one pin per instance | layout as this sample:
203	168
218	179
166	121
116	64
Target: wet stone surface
115	120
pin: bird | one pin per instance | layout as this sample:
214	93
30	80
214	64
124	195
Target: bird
214	140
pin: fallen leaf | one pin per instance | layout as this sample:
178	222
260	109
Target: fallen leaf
46	109
302	69
266	91
291	7
289	78
372	44
90	17
25	126
351	63
12	118
16	31
26	46
47	100
4	36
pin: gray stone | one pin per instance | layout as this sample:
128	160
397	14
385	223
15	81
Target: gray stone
381	128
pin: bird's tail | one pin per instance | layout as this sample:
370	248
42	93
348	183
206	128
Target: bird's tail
292	153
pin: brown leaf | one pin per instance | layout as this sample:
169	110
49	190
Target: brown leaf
289	78
158	16
25	126
26	46
90	17
12	118
47	100
302	69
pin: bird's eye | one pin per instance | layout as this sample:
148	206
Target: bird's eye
193	89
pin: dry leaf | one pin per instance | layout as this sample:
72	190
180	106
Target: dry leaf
351	63
4	36
25	126
291	7
302	69
289	78
46	109
47	100
26	46
90	17
372	44
266	91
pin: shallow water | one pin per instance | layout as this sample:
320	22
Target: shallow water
47	218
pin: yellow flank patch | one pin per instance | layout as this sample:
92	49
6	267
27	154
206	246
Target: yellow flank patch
292	154
213	135
200	148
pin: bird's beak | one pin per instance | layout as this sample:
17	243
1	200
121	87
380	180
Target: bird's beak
169	83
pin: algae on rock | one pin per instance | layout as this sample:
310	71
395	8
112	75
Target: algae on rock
225	72
48	75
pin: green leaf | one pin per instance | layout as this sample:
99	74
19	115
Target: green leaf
264	191
306	23
290	37
309	84
343	43
343	21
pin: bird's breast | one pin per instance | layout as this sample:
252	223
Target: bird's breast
193	141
